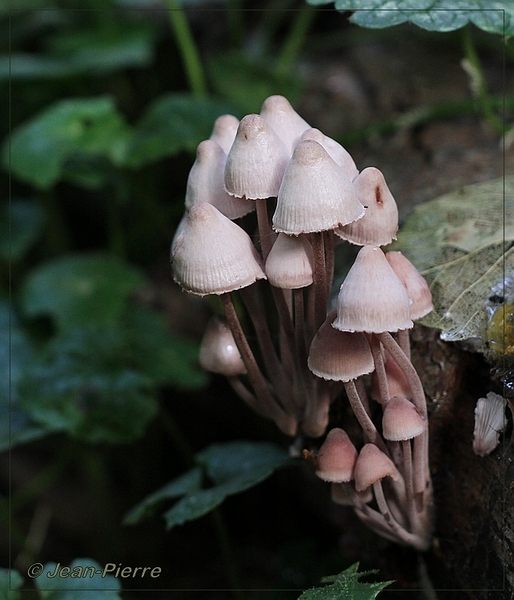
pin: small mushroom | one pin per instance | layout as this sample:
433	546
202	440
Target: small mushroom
490	421
316	194
415	284
256	161
289	263
337	152
218	350
282	117
401	421
205	182
224	131
336	457
372	298
373	465
213	255
380	223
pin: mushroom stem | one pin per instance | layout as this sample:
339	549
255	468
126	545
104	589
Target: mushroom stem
404	341
421	473
274	369
320	280
272	409
329	259
370	431
378	359
263	223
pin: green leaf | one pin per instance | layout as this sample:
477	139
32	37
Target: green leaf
186	483
174	123
235	461
160	355
493	16
80	290
462	242
16	352
73	128
246	82
21	224
10	582
232	467
346	586
85	382
78	584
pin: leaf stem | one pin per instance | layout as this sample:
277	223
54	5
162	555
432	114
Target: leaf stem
187	48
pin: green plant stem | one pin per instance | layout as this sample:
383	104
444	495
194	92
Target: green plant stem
295	39
478	82
236	26
187	48
227	553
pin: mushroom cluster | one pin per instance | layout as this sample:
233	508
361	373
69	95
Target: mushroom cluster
287	352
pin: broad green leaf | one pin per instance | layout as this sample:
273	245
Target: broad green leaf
240	459
174	123
462	242
346	586
16	352
70	129
80	290
232	467
194	505
84	581
246	82
95	53
21	223
188	482
160	355
10	582
85	382
493	16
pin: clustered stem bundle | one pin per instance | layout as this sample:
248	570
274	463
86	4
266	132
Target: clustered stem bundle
286	351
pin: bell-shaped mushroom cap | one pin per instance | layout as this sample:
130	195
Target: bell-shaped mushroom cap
415	284
218	350
373	465
224	131
372	298
380	223
257	160
401	420
339	355
206	180
289	263
490	421
338	153
315	195
336	457
213	255
282	117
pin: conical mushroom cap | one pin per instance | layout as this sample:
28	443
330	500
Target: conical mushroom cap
380	223
338	153
282	117
206	180
315	195
372	298
415	284
256	162
336	457
339	355
372	465
218	350
213	255
224	131
289	263
401	420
